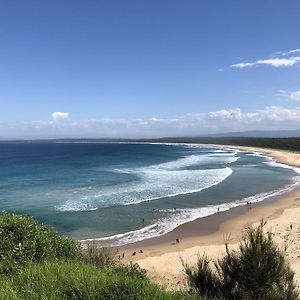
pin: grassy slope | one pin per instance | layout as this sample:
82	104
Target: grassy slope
61	280
36	263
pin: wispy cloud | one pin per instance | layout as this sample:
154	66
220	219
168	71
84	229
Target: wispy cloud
294	95
274	62
286	53
283	59
193	124
60	115
295	51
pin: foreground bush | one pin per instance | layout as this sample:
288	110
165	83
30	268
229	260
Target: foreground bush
23	240
7	291
35	263
258	270
71	280
98	256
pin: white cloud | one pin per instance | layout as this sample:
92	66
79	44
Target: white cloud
60	115
295	95
279	62
291	52
274	62
242	65
287	61
295	51
193	124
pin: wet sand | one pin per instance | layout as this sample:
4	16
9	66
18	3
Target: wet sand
162	255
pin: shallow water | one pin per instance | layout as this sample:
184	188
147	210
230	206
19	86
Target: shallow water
101	190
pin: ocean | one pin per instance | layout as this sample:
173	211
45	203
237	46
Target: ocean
124	192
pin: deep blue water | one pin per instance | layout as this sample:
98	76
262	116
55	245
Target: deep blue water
92	190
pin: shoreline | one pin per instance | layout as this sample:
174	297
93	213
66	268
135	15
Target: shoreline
204	226
235	207
162	255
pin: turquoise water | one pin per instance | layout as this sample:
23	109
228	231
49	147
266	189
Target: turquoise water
106	190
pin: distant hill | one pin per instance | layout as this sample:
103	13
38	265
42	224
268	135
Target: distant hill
284	139
245	134
258	133
291	143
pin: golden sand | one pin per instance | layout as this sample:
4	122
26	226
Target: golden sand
163	260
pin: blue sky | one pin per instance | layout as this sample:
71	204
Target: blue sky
140	68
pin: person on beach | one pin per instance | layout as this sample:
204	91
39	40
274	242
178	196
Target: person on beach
177	241
291	226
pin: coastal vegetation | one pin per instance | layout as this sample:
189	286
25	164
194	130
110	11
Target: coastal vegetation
283	143
290	144
258	270
36	263
59	280
23	240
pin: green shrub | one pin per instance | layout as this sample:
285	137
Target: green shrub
258	270
204	280
71	280
131	269
7	291
23	240
98	256
105	258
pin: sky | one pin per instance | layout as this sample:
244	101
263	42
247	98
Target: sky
137	68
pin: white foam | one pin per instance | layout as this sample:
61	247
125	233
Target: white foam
276	164
222	154
180	216
156	181
219	151
271	161
187	161
185	181
71	205
258	154
193	160
154	184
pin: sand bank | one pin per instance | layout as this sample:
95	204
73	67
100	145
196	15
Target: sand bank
162	256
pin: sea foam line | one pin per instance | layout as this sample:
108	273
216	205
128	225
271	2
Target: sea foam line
182	216
146	175
272	161
229	172
71	205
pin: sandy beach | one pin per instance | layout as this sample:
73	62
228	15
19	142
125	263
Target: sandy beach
162	256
